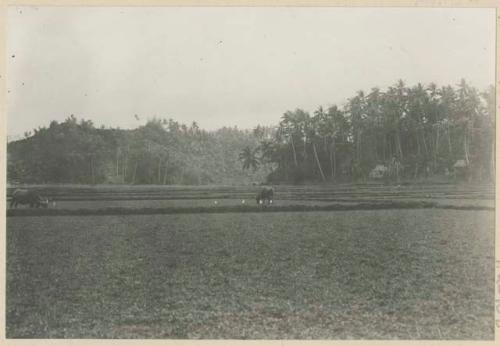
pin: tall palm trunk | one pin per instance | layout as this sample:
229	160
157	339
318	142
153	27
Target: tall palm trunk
165	173
305	148
390	143
466	149
333	163
318	163
159	171
92	168
422	133
358	147
135	172
125	164
425	144
398	145
286	170
332	171
436	148
449	138
294	152
384	156
117	163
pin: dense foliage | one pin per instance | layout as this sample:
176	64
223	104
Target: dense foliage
161	152
411	131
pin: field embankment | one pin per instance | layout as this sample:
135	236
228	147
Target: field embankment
120	200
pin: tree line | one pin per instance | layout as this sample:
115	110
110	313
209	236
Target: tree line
162	151
413	131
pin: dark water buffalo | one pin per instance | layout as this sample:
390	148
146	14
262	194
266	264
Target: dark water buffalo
265	196
33	198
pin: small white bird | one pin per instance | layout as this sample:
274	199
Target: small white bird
215	202
242	201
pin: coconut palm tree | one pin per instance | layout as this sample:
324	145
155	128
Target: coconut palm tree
249	159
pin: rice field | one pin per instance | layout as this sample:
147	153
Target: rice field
417	273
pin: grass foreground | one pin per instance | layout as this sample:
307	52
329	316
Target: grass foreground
359	274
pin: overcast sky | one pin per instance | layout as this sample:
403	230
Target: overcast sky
228	66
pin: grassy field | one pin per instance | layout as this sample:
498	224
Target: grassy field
406	274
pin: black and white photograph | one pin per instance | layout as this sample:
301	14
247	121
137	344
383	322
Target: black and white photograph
250	173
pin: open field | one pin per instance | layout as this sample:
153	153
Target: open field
407	274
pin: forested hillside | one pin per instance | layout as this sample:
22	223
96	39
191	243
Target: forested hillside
161	152
415	132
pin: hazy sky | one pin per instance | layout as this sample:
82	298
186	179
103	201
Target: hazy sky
228	66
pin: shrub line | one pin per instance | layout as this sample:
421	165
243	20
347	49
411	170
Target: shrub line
237	209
